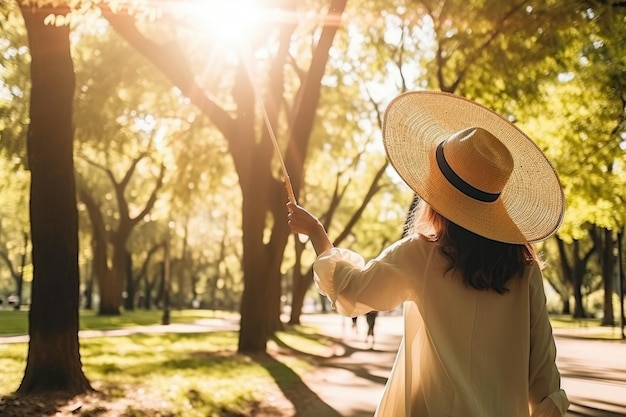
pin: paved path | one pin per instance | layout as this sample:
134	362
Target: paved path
350	380
593	371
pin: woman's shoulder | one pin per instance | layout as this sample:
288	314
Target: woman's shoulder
413	243
422	240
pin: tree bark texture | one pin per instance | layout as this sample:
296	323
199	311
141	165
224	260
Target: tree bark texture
53	362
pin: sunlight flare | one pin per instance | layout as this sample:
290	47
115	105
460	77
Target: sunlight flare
232	23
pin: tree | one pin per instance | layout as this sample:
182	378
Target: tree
17	273
474	50
302	281
491	53
262	193
580	122
606	56
575	271
350	175
142	280
14	227
607	263
53	361
111	279
127	121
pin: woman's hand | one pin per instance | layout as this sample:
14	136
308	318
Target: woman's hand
301	221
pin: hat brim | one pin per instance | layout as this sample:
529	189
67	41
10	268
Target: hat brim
531	205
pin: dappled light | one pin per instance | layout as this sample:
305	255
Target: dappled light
148	150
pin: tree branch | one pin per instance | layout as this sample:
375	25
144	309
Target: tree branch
101	167
4	256
170	61
152	199
144	266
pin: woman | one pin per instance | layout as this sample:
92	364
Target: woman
477	339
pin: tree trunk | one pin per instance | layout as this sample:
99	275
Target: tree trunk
129	301
301	284
575	272
160	285
20	278
19	285
608	277
112	284
579	306
88	294
579	274
110	294
53	352
147	293
620	276
254	302
567	308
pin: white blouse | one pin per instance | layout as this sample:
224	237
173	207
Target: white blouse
464	352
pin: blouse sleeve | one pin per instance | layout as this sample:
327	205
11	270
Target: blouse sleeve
354	287
547	399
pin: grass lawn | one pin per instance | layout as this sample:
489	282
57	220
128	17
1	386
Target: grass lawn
587	327
16	322
183	374
568	322
189	374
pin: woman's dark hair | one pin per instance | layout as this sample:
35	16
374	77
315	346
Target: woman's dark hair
485	264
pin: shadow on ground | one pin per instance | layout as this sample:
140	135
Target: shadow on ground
39	405
577	409
341	370
300	399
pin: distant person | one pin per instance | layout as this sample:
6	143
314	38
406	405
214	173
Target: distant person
370	316
477	338
13	300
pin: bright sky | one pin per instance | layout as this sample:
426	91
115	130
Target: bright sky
233	22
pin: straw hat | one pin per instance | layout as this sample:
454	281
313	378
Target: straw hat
473	167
